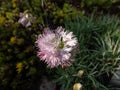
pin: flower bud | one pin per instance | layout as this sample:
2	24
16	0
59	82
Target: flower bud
77	86
80	73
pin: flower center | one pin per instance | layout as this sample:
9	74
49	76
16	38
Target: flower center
61	44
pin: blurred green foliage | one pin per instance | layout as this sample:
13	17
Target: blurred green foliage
19	65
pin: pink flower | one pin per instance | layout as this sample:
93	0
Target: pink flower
26	18
56	48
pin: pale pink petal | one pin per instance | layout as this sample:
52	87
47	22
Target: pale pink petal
49	51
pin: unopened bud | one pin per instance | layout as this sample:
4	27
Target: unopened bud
77	86
80	73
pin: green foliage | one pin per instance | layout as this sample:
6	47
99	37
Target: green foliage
98	41
17	56
97	6
18	62
98	55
